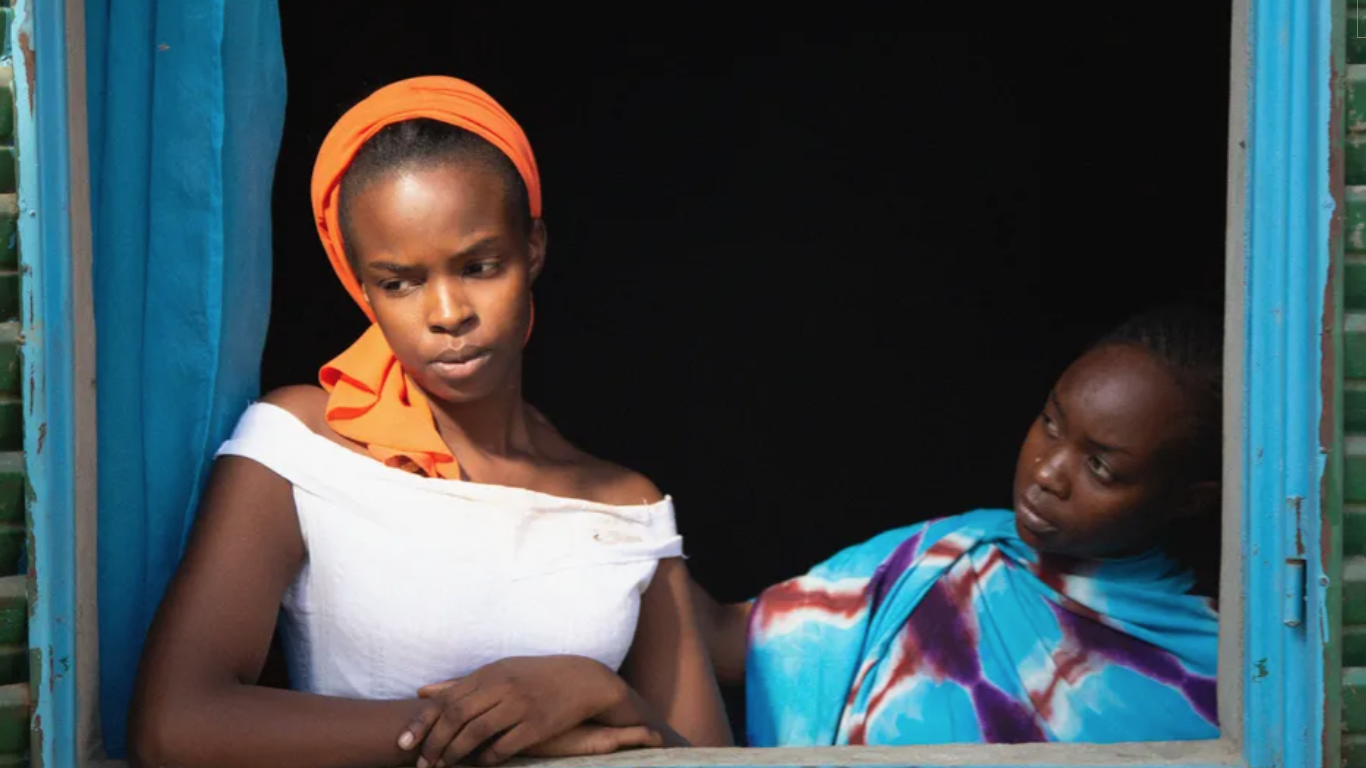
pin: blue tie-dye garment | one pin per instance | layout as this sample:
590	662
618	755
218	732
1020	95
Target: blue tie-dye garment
955	630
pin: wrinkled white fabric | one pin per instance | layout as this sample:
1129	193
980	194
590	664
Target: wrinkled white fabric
410	580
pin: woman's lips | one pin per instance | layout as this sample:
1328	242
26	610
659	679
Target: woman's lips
458	365
1032	520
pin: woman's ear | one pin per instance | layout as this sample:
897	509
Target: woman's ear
536	246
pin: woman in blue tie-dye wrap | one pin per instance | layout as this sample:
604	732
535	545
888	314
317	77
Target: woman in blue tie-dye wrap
1084	614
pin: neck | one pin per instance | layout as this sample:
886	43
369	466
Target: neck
496	425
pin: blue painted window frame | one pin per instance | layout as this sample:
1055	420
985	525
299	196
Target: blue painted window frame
1286	315
38	38
1292	347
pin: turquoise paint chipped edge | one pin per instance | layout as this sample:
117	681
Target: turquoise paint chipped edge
41	139
1287	226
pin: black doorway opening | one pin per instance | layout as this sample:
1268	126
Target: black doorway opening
813	275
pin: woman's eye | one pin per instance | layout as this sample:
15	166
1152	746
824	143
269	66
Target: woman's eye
1099	469
482	268
1049	425
395	285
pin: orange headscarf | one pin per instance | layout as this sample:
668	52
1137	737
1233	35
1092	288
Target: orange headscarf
370	398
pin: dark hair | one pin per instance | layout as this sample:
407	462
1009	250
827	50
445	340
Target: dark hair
1190	342
423	141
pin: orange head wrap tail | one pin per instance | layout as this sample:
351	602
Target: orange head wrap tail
370	398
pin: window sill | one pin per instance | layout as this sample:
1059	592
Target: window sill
1182	753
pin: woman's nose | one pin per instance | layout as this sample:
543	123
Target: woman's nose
1050	472
449	309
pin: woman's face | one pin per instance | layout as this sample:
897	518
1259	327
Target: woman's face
1100	472
448	274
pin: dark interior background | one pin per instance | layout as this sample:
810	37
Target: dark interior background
812	274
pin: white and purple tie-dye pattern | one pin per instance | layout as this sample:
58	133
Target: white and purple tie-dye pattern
955	631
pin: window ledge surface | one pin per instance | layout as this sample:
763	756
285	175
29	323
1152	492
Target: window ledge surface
1182	753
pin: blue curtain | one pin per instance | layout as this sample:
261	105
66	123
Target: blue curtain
186	112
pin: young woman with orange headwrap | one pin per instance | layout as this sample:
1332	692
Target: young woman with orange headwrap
454	580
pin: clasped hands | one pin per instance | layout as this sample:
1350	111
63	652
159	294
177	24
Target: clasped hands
550	706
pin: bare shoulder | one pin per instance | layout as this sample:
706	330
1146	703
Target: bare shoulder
593	478
609	483
306	402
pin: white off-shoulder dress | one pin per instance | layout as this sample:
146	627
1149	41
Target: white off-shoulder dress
410	580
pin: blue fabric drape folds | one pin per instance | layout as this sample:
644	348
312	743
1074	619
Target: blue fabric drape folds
956	631
186	113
